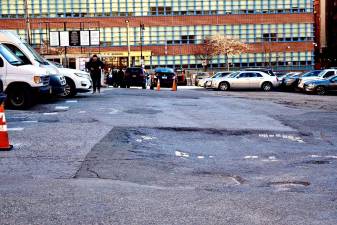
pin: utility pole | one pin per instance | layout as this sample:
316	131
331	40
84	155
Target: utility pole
27	22
128	41
142	28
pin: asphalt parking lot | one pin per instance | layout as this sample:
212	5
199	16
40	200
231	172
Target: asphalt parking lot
131	156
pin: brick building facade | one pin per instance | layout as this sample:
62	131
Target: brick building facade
280	33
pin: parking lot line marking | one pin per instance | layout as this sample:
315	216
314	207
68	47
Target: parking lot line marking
51	113
16	129
71	101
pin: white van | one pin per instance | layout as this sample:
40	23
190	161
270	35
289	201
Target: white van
30	57
21	82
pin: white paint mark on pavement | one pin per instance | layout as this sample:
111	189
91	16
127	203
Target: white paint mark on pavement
50	114
82	112
16	129
331	156
147	138
251	157
211	157
283	136
30	121
182	154
139	140
63	108
71	101
201	157
113	111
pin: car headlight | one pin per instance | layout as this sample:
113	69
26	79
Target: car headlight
84	75
311	85
37	79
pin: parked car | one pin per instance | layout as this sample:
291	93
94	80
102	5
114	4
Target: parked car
134	76
77	81
207	82
199	76
247	80
22	82
291	82
265	70
322	86
166	76
322	75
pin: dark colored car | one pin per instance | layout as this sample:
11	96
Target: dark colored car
321	87
166	77
292	82
134	76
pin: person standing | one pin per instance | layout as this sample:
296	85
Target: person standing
95	65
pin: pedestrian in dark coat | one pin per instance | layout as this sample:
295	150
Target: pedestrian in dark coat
120	76
95	65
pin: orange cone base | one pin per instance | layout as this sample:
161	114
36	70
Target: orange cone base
10	147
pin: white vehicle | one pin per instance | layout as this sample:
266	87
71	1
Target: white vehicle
30	57
77	81
246	80
21	82
322	75
208	81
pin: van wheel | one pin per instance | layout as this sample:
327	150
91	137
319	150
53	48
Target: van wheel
267	86
70	89
19	98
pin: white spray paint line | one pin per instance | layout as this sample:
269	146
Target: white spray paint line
315	156
331	156
201	157
147	138
71	101
61	107
251	157
139	140
235	180
289	137
182	154
114	111
15	129
82	112
30	121
50	114
211	157
328	156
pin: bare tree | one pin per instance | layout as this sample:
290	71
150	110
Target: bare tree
204	52
227	46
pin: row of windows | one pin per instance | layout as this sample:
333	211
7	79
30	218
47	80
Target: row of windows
249	33
97	8
281	59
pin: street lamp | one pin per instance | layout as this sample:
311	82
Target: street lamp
128	41
142	28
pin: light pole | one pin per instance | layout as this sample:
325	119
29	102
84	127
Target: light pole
27	22
128	41
142	28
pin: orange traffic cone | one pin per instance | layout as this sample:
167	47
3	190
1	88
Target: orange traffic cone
174	85
4	139
158	85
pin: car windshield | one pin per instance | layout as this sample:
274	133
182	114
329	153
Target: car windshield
234	74
36	55
312	73
9	56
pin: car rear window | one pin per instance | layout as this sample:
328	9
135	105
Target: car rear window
135	70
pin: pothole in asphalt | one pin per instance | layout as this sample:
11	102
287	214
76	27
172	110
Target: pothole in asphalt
289	185
235	178
318	162
143	111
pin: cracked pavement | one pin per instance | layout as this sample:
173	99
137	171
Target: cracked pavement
131	156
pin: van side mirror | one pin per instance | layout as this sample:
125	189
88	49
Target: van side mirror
1	63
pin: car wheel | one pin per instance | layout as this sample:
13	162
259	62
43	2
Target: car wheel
320	90
224	86
267	86
69	89
19	98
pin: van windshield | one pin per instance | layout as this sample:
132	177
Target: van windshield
9	56
36	55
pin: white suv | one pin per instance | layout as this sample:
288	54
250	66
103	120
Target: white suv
322	75
246	80
77	81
